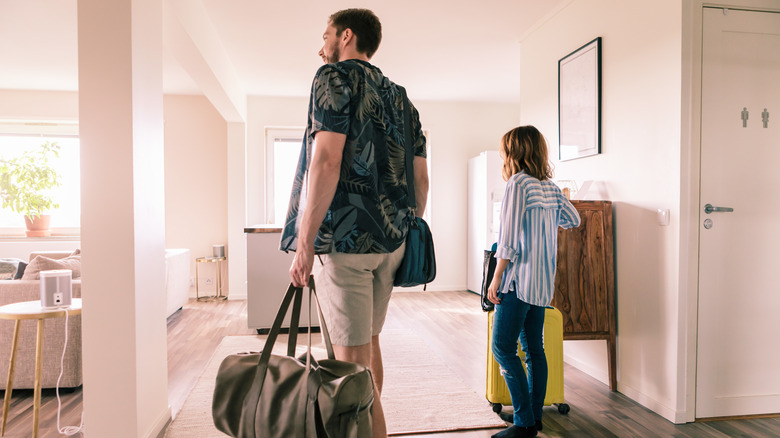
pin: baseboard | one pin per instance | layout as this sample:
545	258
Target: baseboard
429	288
242	296
158	429
659	408
239	296
231	296
680	417
596	373
650	403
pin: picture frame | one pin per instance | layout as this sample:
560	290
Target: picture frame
579	102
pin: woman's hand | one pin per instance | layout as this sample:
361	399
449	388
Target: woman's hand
493	290
501	265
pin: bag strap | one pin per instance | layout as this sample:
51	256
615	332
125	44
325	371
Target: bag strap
246	425
308	404
409	147
323	327
295	317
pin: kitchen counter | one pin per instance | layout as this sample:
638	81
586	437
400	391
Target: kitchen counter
263	229
267	277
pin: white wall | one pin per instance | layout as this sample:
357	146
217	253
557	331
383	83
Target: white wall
638	170
21	248
196	182
39	105
457	132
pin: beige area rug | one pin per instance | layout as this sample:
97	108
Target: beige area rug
421	394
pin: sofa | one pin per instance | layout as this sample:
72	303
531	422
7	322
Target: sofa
13	291
177	287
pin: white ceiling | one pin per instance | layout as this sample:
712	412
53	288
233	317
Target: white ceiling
440	50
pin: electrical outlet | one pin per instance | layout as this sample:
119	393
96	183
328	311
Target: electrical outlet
192	281
209	281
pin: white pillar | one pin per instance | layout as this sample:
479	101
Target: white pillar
122	218
237	208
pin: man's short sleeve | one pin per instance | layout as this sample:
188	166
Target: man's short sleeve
330	101
419	139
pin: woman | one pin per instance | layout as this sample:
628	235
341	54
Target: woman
524	281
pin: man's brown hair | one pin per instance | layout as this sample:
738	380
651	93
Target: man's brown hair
364	24
524	148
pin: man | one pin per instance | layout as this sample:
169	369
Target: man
349	201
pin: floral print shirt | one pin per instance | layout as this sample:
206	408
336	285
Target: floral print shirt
369	209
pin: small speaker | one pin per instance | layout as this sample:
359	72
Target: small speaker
218	250
56	288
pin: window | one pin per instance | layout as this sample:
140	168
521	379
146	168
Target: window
283	147
18	137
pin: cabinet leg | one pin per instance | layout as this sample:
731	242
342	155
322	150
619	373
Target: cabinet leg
612	362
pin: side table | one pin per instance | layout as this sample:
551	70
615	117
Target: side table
19	312
218	261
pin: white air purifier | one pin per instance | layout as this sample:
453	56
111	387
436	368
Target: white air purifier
56	288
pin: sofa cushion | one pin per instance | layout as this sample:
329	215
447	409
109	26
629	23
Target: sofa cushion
56	255
9	266
20	271
41	263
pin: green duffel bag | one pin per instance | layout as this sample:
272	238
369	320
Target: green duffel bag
274	396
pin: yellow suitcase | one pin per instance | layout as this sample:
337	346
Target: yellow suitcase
496	391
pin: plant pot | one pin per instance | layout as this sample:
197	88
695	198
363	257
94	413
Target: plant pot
38	226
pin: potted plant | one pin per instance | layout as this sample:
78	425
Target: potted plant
25	186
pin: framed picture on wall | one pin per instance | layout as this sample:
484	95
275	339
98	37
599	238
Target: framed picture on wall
579	102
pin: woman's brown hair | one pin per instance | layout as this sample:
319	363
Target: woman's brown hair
524	149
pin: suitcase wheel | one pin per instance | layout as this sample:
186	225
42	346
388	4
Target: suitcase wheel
563	408
497	407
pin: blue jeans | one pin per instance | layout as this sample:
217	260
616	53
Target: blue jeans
513	320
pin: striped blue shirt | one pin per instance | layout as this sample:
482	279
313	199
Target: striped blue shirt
531	213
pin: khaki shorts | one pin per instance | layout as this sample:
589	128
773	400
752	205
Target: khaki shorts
354	292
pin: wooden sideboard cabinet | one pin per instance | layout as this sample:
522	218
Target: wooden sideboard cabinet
585	279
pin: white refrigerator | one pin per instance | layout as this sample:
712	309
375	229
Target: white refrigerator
485	192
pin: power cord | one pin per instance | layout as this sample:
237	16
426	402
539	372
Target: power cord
67	430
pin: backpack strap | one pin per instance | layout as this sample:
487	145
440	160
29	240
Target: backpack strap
409	151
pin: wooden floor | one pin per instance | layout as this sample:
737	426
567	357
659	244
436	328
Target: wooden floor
454	326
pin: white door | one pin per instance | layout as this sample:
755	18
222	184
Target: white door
738	353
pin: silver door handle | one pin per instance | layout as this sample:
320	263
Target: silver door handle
708	208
